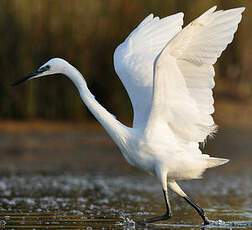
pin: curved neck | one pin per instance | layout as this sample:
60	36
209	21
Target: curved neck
117	131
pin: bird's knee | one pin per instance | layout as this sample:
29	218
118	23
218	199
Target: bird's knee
168	215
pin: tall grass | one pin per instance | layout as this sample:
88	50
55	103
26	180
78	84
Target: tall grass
86	32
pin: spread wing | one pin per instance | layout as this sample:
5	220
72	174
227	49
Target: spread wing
134	60
183	76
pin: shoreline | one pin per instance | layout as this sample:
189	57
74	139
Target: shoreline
227	114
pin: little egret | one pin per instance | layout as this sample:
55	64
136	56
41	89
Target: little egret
169	76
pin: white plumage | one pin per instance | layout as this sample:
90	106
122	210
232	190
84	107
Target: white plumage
185	66
169	76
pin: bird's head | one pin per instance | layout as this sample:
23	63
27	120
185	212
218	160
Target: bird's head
53	66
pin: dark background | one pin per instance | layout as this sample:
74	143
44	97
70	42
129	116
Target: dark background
55	158
86	33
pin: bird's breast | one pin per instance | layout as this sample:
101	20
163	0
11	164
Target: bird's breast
139	154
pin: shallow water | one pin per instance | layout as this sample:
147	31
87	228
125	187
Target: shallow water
68	179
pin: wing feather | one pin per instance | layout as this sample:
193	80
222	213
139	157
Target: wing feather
184	75
134	58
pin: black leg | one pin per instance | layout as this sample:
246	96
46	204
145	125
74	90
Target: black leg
198	209
166	216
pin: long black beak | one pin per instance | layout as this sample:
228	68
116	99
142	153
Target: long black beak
33	74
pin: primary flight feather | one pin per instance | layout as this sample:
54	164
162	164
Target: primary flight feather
169	76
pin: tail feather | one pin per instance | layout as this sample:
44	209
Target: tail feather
213	161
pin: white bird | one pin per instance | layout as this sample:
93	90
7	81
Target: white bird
169	76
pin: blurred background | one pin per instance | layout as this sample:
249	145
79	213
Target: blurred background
54	156
86	34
